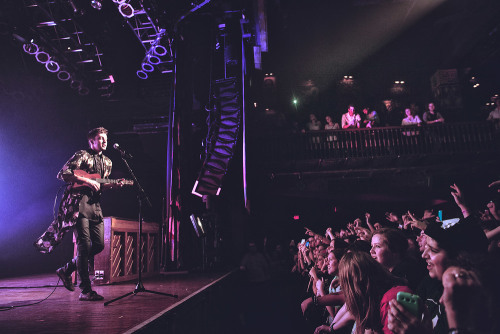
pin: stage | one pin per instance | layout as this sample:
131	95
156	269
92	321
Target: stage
144	312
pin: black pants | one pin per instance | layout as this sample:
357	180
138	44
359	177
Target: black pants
90	241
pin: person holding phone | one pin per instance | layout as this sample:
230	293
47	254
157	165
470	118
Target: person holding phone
462	238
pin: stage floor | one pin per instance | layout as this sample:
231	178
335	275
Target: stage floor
62	312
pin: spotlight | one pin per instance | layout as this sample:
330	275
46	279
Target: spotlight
159	50
52	66
96	4
75	84
142	75
153	59
197	225
42	57
146	67
83	91
30	48
63	75
126	10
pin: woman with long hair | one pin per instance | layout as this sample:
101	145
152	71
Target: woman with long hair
368	287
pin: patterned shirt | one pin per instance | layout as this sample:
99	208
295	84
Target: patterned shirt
75	201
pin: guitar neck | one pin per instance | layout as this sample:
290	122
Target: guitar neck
96	177
106	180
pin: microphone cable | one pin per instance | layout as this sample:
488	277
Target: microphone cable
8	308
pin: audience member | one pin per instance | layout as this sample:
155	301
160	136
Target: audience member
368	287
330	125
411	118
351	120
494	115
432	116
314	124
389	248
370	118
460	273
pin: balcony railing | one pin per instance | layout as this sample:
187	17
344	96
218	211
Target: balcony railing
454	138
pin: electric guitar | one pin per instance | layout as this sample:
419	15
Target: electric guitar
96	177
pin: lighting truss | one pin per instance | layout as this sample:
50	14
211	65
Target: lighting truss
64	39
155	40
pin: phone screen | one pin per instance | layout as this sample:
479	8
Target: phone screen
440	215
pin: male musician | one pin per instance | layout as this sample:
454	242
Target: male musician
80	207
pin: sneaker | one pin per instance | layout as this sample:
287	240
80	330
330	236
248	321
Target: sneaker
90	296
66	279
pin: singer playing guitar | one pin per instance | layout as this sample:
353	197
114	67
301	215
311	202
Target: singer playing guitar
86	173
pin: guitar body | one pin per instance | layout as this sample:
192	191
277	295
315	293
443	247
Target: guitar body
96	177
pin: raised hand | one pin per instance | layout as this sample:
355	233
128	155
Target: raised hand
457	194
495	184
420	224
463	297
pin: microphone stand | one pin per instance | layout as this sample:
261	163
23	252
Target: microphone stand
141	196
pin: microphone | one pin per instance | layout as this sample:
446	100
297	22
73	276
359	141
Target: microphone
122	151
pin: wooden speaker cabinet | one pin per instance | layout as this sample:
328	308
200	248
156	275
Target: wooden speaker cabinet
119	261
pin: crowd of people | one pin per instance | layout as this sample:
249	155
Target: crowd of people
409	273
371	118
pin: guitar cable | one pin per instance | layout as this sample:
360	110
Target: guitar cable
8	308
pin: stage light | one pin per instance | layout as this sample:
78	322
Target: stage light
30	48
46	24
42	57
126	10
63	75
153	59
96	4
83	91
75	84
52	66
197	225
159	50
141	74
146	67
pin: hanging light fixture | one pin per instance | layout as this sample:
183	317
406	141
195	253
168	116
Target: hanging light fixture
126	10
52	66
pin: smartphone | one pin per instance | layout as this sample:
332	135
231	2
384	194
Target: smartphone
440	215
410	302
303	241
307	244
